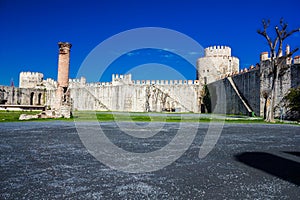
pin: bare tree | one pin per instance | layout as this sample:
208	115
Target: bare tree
278	60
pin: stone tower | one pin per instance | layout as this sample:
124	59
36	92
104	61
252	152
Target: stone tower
216	64
63	101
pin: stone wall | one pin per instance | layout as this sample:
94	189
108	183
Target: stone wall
22	96
290	79
139	96
295	76
252	85
124	94
30	79
248	87
241	93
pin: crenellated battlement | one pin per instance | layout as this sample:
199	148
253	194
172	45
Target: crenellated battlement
75	80
119	80
165	82
127	79
265	56
30	79
98	84
50	84
31	74
242	71
214	51
81	80
50	81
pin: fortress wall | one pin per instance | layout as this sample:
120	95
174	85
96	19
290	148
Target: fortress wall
108	97
223	94
50	97
253	84
125	94
136	98
180	98
290	79
21	96
295	74
248	87
30	79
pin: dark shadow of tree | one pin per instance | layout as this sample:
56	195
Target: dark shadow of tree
280	167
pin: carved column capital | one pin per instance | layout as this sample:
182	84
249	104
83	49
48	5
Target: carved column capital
64	46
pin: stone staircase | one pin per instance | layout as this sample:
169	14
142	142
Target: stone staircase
174	99
97	100
239	95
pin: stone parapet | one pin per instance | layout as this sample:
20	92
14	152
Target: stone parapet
30	79
215	51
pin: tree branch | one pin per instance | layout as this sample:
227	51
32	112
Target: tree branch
265	35
291	53
290	33
278	38
283	24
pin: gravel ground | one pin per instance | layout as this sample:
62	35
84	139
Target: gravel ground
47	160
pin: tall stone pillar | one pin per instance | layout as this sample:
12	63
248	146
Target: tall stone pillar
63	101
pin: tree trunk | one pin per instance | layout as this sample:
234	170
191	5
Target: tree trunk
270	109
277	61
272	97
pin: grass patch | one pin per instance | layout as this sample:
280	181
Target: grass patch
159	117
173	119
12	116
105	117
141	118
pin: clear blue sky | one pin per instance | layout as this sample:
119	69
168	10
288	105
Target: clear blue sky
31	29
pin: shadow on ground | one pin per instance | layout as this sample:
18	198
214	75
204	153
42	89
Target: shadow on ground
283	168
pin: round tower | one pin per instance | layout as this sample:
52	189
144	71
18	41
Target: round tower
216	63
63	64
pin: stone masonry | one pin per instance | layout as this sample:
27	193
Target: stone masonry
124	94
31	80
62	100
253	83
216	64
243	90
